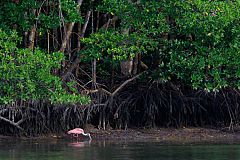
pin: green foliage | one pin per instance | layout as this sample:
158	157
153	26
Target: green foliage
202	48
204	52
27	75
144	24
45	14
71	11
116	45
144	17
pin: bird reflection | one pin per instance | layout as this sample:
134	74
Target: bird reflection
79	144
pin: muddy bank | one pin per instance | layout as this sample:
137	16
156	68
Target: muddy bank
165	135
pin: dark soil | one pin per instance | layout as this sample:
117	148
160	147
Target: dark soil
164	135
183	135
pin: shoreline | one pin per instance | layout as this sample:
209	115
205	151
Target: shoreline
161	135
169	135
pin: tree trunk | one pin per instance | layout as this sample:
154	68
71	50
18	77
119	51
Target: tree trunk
69	31
126	65
32	37
77	59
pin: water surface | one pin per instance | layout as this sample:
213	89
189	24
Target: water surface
101	150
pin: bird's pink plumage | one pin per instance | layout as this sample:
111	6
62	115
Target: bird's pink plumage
76	131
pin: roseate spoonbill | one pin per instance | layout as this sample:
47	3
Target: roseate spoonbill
79	132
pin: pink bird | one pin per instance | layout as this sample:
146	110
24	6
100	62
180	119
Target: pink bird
79	131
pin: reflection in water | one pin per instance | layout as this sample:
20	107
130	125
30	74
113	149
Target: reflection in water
100	150
79	144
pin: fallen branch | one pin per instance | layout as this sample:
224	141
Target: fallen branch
13	123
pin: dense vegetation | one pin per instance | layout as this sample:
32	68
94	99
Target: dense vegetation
65	63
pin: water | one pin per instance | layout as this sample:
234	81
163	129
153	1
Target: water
64	150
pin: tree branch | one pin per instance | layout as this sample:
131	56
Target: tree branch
125	83
12	123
